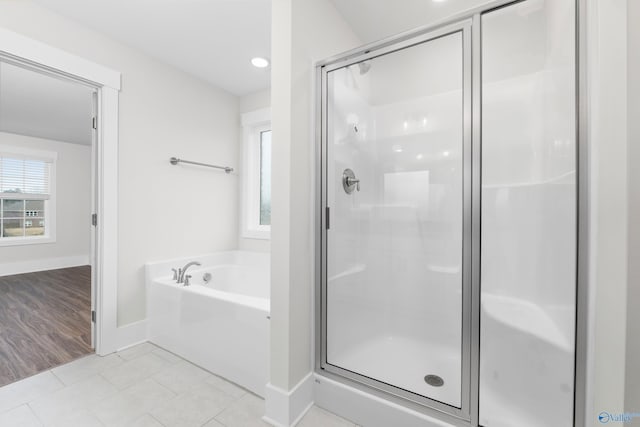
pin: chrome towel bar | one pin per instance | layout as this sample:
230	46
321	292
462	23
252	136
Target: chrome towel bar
175	161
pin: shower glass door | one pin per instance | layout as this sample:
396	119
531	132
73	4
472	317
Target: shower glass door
396	182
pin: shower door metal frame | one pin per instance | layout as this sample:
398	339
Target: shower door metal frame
464	28
471	20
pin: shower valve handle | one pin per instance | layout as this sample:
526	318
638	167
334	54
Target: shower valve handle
351	181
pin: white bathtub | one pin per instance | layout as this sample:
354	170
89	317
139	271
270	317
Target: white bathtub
222	325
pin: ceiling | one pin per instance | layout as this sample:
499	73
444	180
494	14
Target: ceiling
43	106
211	39
375	20
216	39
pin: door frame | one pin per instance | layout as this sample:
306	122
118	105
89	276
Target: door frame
463	28
37	56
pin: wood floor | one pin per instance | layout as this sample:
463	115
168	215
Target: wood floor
45	321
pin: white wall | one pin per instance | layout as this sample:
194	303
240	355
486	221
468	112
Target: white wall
303	31
164	211
607	33
632	374
252	102
73	210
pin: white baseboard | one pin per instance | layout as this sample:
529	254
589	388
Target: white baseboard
131	334
286	408
31	266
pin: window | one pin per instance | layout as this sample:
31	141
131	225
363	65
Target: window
265	177
26	196
256	176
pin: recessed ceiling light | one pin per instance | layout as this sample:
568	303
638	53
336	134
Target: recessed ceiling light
438	1
260	62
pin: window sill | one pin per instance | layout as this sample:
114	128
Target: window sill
257	234
20	241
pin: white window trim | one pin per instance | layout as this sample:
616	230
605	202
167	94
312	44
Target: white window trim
50	208
253	123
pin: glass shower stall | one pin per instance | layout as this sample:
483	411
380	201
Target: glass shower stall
447	216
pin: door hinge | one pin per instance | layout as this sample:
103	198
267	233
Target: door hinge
94	123
327	216
94	219
93	316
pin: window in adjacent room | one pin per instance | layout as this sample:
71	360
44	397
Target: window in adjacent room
27	208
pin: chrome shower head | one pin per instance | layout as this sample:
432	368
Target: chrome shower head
364	67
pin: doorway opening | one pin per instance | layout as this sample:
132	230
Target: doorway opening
48	147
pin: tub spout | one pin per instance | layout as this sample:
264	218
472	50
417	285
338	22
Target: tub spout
183	271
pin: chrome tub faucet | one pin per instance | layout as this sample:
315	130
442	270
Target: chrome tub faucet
183	270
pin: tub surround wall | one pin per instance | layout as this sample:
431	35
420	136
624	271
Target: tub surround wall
163	112
73	210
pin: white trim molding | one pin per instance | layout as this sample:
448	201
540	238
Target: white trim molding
7	269
286	408
23	49
28	53
132	334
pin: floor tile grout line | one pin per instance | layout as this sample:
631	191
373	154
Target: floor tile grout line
35	415
31	399
155	419
115	392
58	378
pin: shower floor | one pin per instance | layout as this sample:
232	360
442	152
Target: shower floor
404	362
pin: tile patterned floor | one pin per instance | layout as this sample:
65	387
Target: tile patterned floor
143	386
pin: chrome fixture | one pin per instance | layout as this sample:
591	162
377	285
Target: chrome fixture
175	161
183	270
175	274
186	280
206	278
349	181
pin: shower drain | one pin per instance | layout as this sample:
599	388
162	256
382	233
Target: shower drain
434	380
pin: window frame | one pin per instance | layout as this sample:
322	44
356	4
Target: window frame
49	204
253	124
